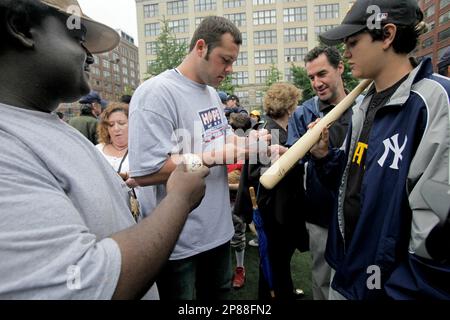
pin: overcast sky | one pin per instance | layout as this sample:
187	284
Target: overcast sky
118	14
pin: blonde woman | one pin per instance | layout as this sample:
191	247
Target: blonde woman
112	134
283	223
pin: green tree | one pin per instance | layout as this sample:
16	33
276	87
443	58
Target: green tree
128	90
169	52
227	85
301	81
274	76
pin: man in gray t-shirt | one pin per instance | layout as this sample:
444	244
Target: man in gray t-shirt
66	230
178	112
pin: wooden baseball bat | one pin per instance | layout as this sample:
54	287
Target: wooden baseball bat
281	167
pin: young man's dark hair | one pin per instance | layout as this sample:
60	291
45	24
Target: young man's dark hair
398	143
211	29
331	53
406	37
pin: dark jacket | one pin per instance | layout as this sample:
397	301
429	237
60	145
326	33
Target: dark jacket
409	144
320	200
87	125
284	201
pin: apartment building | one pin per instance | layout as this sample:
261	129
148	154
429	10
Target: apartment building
436	41
274	32
112	74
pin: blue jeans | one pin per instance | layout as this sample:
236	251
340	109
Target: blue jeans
205	276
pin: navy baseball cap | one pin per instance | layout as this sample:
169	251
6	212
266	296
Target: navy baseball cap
367	14
223	96
92	97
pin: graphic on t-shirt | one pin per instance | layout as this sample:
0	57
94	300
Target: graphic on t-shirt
213	125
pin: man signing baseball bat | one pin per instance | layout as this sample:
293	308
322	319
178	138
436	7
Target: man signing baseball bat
398	140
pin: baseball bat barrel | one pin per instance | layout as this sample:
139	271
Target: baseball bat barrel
296	152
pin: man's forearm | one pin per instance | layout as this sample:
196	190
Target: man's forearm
146	246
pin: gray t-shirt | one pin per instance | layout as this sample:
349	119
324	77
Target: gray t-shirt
172	114
59	202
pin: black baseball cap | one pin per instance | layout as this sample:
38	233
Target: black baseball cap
367	14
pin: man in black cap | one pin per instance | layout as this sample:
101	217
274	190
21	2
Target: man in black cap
399	139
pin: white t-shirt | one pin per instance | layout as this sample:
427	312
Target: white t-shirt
172	114
114	161
59	203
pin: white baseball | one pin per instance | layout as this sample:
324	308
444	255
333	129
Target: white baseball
192	161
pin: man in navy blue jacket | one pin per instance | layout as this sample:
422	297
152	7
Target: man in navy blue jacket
399	140
324	67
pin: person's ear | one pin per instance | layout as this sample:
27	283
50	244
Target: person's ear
201	48
18	28
389	32
341	68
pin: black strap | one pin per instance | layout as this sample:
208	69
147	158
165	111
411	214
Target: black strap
121	162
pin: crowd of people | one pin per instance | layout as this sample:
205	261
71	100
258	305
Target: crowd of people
110	210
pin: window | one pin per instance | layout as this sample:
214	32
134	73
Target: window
106	74
238	19
265	37
182	41
95	71
179	26
198	20
239	78
125	70
150	48
261	76
295	14
326	11
321	29
150	10
152	29
177	7
444	17
242	59
288	74
260	2
429	11
243	97
244	39
124	61
264	17
265	56
441	52
295	34
295	54
115	56
233	3
205	5
106	64
443	35
444	3
116	68
427	42
259	96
